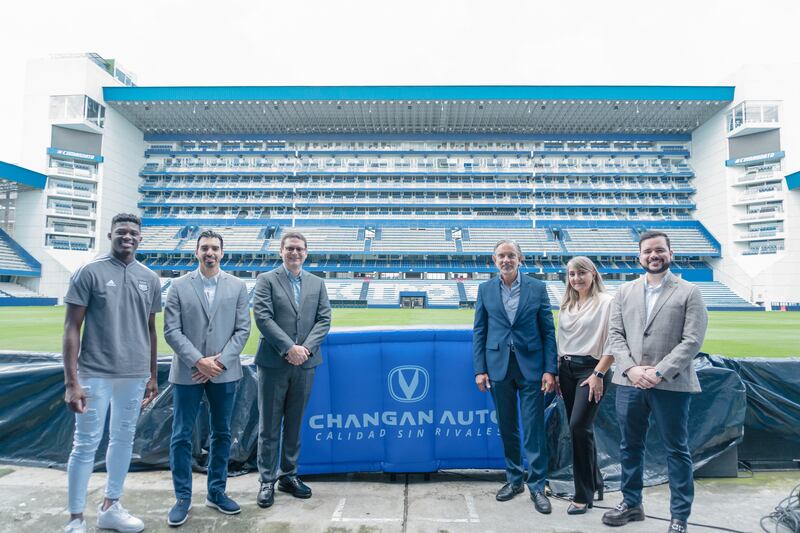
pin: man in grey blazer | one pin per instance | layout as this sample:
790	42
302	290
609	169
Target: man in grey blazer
207	323
293	314
656	329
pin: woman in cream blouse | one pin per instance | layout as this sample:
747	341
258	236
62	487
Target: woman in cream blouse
583	366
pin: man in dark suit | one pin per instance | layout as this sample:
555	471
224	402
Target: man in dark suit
657	326
514	355
206	323
293	314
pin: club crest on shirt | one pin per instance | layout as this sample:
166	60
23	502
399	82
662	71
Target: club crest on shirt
143	286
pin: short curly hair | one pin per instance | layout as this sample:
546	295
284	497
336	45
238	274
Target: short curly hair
126	217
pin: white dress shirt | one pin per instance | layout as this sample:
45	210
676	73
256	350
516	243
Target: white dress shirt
651	294
210	287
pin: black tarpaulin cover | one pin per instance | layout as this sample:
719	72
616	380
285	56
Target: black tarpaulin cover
36	428
772	417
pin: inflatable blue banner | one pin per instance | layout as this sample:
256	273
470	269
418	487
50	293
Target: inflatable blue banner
399	401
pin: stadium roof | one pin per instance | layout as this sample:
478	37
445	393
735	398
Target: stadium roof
418	109
15	177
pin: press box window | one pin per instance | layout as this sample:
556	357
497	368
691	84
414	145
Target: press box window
77	107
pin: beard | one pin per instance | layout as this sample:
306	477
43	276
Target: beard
653	270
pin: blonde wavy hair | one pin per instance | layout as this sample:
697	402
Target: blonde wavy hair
584	264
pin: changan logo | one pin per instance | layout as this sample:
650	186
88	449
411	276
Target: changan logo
408	383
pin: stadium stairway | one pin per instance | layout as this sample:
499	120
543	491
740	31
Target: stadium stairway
165	285
251	289
553	235
264	236
462	292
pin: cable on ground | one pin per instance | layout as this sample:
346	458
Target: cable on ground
786	514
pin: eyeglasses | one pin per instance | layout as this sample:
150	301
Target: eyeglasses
294	249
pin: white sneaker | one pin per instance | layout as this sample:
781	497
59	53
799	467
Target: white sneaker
76	526
118	519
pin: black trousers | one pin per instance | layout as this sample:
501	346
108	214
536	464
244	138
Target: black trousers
282	398
581	413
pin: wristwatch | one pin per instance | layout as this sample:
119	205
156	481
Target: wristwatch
659	374
599	374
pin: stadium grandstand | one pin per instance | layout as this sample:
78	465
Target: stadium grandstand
402	192
19	270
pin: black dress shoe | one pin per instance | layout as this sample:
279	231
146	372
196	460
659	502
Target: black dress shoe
508	491
574	509
677	526
622	514
294	486
541	502
266	495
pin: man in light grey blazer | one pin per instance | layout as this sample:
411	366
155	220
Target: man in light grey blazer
293	314
207	323
656	329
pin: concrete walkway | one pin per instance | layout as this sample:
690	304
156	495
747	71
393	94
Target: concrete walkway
34	500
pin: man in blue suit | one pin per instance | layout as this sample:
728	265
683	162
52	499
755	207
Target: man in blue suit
514	356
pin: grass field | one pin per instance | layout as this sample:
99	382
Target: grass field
734	334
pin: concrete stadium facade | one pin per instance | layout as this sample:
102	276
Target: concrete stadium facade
410	185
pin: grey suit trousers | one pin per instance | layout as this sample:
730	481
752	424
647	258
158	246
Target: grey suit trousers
283	393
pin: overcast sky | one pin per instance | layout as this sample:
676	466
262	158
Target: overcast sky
408	42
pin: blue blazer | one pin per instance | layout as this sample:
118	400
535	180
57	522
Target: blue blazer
532	331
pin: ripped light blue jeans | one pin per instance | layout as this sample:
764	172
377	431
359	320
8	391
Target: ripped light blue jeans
124	396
